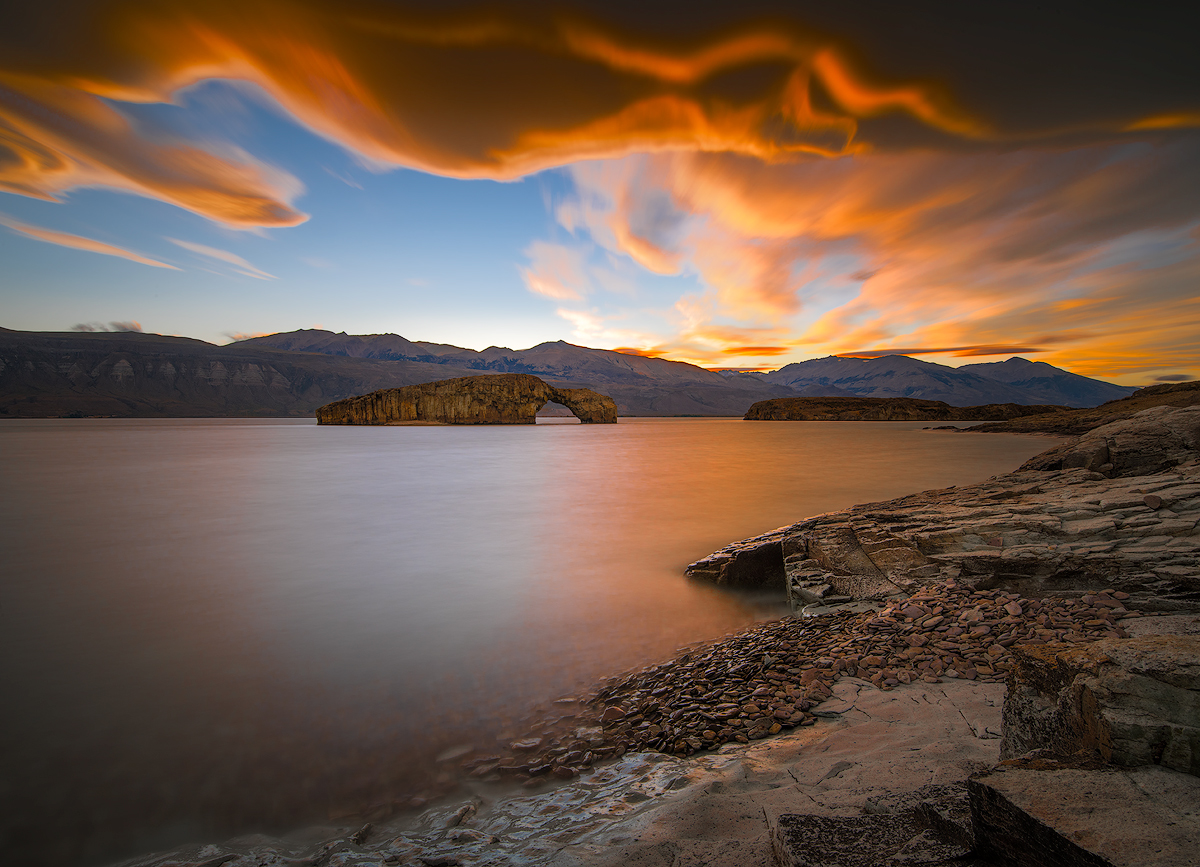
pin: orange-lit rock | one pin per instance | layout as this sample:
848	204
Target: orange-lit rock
506	398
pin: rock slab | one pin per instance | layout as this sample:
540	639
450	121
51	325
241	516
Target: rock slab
1127	702
1073	817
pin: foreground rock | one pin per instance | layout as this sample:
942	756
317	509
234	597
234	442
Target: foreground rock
1073	817
1102	755
885	409
1116	509
506	398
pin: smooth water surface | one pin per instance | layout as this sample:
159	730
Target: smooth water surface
216	626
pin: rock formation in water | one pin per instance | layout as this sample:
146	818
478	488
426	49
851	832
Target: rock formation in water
885	409
1118	508
506	398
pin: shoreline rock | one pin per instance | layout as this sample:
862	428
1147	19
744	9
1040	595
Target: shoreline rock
1118	508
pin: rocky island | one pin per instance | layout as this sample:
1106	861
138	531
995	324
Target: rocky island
504	398
887	409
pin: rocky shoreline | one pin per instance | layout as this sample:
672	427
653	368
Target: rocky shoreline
1035	580
773	676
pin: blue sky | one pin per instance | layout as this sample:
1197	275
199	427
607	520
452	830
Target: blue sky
741	192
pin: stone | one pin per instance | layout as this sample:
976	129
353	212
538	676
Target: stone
1128	702
859	841
752	563
1148	442
612	714
505	398
1065	816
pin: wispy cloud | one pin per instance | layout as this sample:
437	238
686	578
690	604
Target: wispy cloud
240	265
78	242
132	326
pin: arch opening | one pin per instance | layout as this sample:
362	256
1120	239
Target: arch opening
555	413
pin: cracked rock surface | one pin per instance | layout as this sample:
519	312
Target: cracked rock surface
1116	509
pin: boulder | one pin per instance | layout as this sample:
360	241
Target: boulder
1100	757
1075	817
1128	702
506	398
1148	442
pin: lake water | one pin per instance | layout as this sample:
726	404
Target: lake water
210	627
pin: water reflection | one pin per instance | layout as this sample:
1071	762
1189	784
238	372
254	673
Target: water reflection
218	626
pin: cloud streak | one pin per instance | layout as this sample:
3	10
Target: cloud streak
78	242
971	255
240	265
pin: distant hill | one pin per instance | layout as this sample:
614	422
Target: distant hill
640	386
1050	384
49	375
45	375
970	385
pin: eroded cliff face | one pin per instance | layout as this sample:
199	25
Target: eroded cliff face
507	398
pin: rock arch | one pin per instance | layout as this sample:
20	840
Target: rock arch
504	398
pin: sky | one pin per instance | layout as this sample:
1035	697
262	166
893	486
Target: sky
733	187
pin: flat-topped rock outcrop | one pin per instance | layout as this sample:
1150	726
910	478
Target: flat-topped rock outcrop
886	409
1118	508
505	398
1078	421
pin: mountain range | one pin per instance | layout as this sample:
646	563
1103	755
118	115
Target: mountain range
50	374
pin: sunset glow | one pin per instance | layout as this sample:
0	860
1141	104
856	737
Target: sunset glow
752	190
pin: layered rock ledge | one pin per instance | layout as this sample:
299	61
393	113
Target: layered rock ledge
1117	508
505	398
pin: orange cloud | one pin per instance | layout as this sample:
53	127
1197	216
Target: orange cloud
1048	251
496	92
481	93
958	351
756	351
56	137
644	353
78	242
